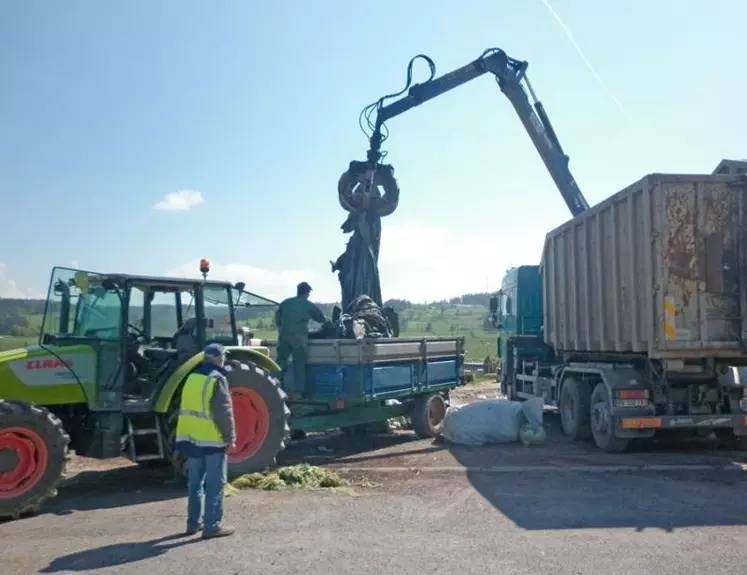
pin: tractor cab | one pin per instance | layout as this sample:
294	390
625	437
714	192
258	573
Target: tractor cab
133	332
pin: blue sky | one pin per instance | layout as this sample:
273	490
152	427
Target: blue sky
105	108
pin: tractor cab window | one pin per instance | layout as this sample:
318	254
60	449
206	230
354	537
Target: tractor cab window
136	310
219	324
164	320
99	314
188	305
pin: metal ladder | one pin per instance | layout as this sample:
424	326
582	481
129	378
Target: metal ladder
132	433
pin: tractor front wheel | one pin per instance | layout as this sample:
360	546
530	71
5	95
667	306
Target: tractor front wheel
33	453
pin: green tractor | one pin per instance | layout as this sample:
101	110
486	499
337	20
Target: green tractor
105	379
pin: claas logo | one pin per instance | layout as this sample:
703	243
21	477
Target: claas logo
48	363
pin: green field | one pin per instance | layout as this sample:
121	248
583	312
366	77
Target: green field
442	319
423	321
7	342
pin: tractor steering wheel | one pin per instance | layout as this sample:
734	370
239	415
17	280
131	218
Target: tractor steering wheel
139	333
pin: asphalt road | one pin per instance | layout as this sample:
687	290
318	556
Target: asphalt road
414	522
425	507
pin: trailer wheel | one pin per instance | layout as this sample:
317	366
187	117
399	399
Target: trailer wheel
728	439
428	414
33	453
575	408
602	427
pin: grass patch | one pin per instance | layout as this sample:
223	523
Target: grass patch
302	476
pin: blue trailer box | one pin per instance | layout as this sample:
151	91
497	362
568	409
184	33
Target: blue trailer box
379	368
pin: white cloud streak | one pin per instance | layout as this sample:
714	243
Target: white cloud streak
179	201
581	53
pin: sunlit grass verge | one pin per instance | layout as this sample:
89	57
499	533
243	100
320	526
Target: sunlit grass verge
302	476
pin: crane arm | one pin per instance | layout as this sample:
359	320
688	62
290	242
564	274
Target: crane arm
509	73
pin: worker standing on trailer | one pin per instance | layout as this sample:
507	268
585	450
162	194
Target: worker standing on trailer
205	430
292	320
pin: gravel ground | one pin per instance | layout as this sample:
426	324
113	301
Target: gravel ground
424	507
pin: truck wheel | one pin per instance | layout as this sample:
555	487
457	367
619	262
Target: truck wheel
728	439
427	415
33	453
261	419
602	427
575	404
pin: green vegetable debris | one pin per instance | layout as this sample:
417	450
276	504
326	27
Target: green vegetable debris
291	477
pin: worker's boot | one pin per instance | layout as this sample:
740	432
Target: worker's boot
217	531
191	530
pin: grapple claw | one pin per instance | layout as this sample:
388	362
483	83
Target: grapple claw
359	188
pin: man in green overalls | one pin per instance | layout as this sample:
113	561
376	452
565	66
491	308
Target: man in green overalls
292	320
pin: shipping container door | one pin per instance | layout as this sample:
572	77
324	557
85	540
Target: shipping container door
702	244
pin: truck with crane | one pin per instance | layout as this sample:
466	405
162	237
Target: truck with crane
635	321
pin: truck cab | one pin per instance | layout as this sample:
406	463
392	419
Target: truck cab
517	312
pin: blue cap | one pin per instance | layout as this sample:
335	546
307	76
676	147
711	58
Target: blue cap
215	350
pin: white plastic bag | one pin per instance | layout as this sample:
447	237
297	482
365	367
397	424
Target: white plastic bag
492	421
496	421
532	431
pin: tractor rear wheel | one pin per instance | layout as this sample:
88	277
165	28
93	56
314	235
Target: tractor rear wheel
33	453
261	418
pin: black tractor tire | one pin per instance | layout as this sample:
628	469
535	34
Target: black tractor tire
602	430
168	436
42	425
575	403
729	440
262	387
428	414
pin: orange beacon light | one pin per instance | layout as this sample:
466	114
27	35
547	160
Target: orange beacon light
204	267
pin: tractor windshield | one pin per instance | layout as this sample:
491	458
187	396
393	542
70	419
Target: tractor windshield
78	305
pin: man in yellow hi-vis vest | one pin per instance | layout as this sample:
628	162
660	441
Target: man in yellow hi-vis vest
204	432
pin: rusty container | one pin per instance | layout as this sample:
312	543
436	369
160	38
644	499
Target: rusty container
659	268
